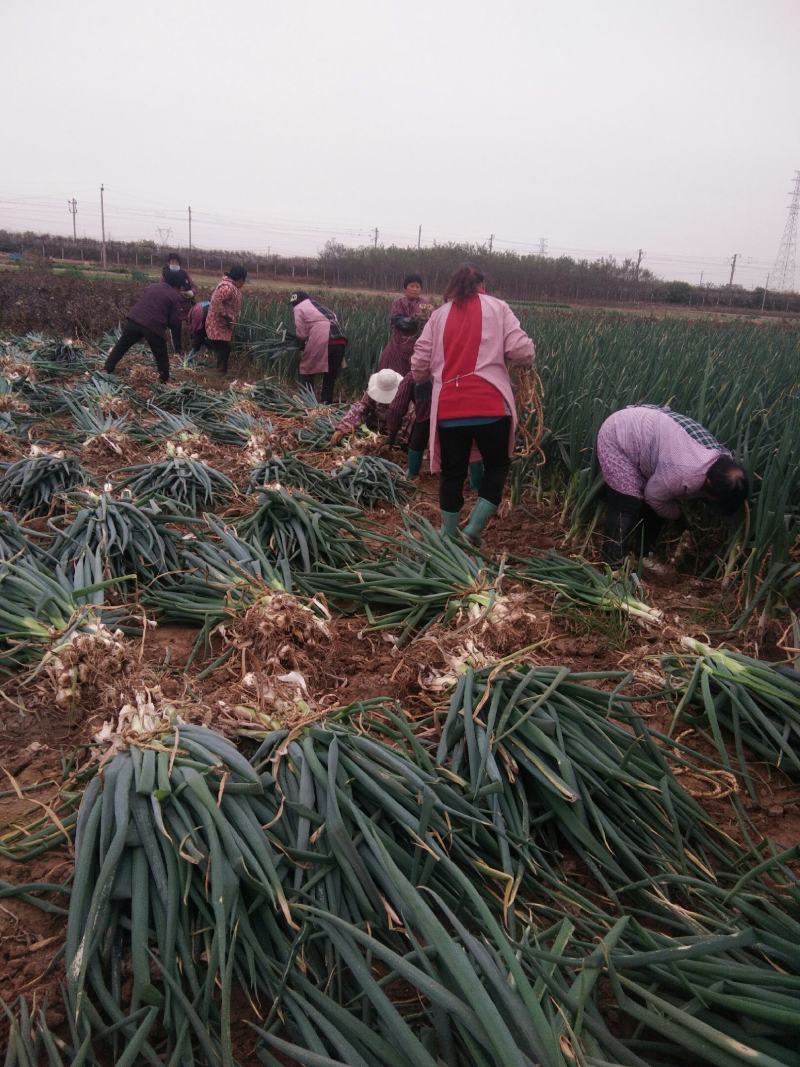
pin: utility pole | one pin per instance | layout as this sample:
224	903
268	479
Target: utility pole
375	242
638	264
702	272
72	208
419	237
491	241
785	262
733	268
190	228
102	227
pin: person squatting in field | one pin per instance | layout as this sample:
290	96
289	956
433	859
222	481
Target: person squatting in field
198	337
323	343
158	309
652	458
464	350
373	408
407	316
223	311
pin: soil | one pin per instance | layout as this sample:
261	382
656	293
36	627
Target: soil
37	737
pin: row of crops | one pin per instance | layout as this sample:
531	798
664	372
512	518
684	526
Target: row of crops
738	379
522	873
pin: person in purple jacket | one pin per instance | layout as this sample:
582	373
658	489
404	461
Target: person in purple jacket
652	458
158	309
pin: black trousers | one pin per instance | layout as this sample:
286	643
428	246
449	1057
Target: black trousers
198	340
131	334
418	438
631	526
335	359
222	350
455	445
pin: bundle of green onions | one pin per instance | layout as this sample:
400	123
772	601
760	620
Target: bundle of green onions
16	540
127	537
755	704
31	484
423	578
173	873
577	582
190	399
217	582
316	436
370	481
299	533
167	424
236	428
97	426
289	470
182	479
40	607
106	392
271	397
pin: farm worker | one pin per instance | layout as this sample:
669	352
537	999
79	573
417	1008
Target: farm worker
323	343
463	350
652	458
223	311
372	410
158	308
407	316
197	329
175	263
418	394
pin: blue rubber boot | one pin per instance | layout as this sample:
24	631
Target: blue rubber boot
414	463
481	513
475	475
450	523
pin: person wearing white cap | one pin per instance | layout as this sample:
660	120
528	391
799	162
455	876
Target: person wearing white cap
372	409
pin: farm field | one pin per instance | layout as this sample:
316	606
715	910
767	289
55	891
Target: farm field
292	779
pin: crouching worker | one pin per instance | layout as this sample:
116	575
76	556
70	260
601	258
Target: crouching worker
652	458
197	330
158	309
463	350
372	410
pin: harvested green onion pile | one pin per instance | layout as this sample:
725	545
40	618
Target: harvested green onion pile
289	470
578	582
370	481
127	537
170	858
31	485
182	480
741	702
40	607
299	533
316	435
423	578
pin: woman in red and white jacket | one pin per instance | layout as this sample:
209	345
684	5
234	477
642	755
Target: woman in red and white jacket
464	349
223	311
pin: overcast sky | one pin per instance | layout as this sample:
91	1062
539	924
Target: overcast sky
670	125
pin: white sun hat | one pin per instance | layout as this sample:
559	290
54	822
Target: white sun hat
383	385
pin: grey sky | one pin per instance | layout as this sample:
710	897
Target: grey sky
603	126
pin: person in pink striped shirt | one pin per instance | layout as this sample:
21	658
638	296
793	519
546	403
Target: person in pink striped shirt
652	458
465	349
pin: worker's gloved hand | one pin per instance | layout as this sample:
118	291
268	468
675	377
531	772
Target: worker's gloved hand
337	436
405	324
189	293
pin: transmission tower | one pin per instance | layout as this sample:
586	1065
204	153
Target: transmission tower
785	261
163	235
